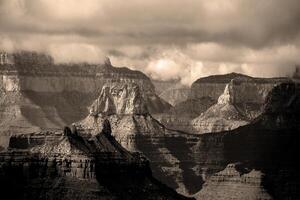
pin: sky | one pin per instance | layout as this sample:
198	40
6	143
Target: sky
171	39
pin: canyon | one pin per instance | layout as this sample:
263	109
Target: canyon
191	162
231	134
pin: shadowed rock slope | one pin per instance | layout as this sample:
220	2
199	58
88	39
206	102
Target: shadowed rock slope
69	166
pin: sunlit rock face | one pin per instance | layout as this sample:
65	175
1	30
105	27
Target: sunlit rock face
122	99
204	112
50	165
36	93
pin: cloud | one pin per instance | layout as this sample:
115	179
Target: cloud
187	38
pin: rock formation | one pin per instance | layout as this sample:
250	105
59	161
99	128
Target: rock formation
68	166
121	99
37	94
46	95
134	127
198	113
185	161
224	115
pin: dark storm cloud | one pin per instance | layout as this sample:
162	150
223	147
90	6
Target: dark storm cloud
252	23
216	36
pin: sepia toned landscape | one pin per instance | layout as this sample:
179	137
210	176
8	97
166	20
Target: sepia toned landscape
149	100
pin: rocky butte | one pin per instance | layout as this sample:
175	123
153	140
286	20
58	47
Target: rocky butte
37	94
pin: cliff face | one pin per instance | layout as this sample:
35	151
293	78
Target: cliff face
119	99
199	113
69	166
267	150
37	93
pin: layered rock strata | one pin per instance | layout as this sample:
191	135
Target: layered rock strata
69	166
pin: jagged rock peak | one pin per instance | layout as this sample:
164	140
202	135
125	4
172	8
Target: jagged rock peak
119	98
